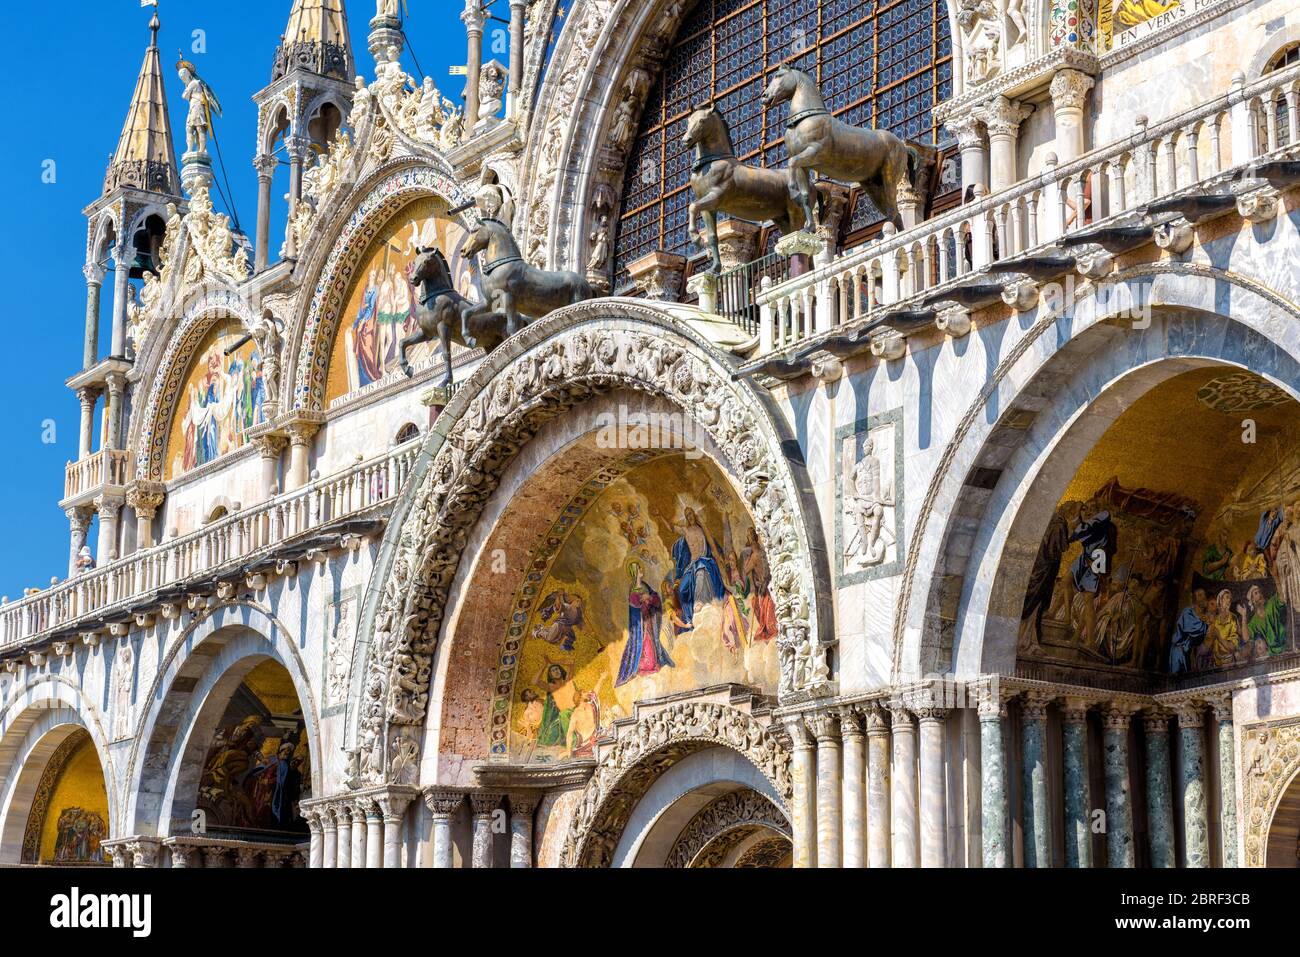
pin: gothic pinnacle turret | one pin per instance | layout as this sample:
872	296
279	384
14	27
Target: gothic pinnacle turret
317	40
145	158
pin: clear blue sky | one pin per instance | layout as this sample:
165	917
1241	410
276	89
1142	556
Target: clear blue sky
71	68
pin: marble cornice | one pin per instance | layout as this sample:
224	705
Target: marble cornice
1021	81
533	777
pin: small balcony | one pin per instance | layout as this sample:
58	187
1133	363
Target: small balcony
89	477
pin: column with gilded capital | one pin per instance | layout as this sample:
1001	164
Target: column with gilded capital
1227	779
855	787
903	799
442	805
1119	800
1078	798
1160	800
995	815
825	727
1037	813
933	802
803	810
877	786
523	805
1196	825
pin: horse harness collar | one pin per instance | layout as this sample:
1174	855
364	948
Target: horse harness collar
710	158
503	261
433	294
802	115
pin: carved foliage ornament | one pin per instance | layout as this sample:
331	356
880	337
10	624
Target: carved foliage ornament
1270	758
644	752
552	376
737	809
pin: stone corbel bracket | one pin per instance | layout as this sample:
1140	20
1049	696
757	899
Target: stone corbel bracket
1174	237
1257	202
1021	294
953	320
891	345
170	610
63	648
1094	262
90	639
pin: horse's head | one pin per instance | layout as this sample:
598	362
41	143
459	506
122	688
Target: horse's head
784	83
701	125
430	266
478	240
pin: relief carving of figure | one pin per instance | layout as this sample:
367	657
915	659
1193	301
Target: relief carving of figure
981	39
871	501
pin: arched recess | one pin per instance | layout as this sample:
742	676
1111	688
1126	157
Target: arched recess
637	783
189	696
32	729
166	360
336	248
987	506
1283	848
577	354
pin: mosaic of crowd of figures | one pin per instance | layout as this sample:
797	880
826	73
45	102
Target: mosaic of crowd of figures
660	586
1176	548
68	820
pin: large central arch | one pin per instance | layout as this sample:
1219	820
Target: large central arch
576	354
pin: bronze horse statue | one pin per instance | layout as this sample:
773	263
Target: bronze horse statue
722	184
876	160
513	288
443	313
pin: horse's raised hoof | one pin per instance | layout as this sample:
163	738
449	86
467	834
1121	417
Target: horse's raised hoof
470	342
406	368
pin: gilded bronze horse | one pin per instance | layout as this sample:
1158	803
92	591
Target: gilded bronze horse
445	314
513	288
722	184
876	160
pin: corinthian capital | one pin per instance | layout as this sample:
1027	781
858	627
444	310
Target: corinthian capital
474	17
1068	89
1003	116
968	130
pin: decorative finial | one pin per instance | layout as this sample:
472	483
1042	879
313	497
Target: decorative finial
154	23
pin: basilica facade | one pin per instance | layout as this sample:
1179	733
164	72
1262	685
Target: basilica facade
740	433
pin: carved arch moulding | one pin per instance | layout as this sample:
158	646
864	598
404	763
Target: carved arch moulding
576	354
644	752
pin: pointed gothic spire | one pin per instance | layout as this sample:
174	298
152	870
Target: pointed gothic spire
316	40
145	158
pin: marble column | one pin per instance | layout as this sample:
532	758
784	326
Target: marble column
803	775
329	838
442	805
1078	797
112	437
374	834
1191	766
933	810
315	852
86	438
265	166
518	17
1227	779
473	18
393	808
94	274
484	807
1160	800
826	728
995	816
343	828
1002	118
109	510
122	256
903	799
877	786
358	835
145	498
1119	802
1069	88
974	155
523	806
78	526
1037	814
854	780
300	436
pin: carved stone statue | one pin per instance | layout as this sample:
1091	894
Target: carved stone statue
386	8
876	160
491	90
981	38
868	508
599	258
721	184
494	202
514	288
203	106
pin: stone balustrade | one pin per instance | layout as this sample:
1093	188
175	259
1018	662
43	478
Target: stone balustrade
231	542
933	274
86	477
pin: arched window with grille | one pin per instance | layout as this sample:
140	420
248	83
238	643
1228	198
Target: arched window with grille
881	64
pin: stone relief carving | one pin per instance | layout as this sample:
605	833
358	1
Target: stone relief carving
734	810
869	503
1270	757
644	752
992	37
552	376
